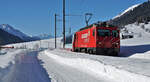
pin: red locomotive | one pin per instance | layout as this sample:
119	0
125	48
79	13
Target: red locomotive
98	38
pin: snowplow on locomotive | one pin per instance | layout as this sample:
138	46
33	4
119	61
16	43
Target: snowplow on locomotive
98	39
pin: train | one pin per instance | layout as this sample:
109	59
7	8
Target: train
100	39
4	47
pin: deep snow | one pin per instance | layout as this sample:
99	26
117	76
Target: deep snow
64	66
7	56
117	69
26	68
63	73
132	66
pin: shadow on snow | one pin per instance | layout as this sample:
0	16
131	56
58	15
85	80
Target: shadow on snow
126	51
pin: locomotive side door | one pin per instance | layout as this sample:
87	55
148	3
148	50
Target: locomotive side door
93	37
74	41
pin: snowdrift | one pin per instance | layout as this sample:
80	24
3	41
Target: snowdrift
7	56
98	68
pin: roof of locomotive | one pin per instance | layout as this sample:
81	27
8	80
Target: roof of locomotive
102	24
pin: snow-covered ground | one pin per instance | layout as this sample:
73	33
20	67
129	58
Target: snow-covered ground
140	44
26	68
59	71
141	30
113	68
132	66
48	43
7	57
24	64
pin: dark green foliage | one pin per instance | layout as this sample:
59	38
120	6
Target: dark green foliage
140	14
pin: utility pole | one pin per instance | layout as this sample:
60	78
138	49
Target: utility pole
64	24
55	30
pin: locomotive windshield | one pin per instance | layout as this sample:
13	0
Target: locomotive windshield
115	33
103	33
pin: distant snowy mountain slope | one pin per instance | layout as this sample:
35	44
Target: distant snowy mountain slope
127	10
44	36
15	32
7	38
137	13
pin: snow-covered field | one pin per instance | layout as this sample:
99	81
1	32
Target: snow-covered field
138	30
25	67
7	57
132	66
113	68
27	61
48	43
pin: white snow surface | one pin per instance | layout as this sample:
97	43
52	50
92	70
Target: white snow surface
137	30
26	67
145	55
7	57
34	45
127	10
134	67
135	41
113	68
60	72
67	66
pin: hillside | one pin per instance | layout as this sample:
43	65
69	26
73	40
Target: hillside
18	33
6	38
137	13
44	36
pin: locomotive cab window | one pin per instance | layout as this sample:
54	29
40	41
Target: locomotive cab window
103	33
74	37
94	32
115	33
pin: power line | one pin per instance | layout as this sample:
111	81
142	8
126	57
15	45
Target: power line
72	15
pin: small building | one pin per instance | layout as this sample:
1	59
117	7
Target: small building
127	35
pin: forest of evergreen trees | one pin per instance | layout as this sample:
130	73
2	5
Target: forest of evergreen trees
140	14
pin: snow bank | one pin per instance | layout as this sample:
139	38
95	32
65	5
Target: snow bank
137	30
98	68
68	46
135	41
7	56
145	55
139	45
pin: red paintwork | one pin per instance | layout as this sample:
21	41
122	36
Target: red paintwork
85	39
7	47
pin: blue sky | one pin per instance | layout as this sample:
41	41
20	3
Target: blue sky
35	17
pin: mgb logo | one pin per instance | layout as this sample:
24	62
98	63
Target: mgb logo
84	35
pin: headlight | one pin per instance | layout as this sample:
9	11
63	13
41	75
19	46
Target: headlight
117	43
